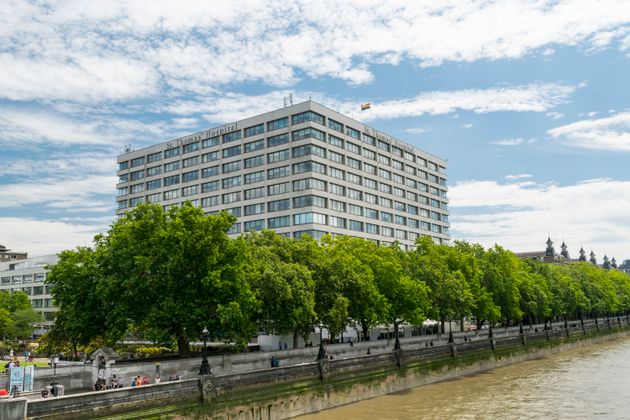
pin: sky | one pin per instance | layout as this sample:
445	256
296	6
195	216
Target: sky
528	101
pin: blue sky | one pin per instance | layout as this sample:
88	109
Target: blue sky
527	100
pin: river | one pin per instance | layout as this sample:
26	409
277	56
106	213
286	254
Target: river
584	383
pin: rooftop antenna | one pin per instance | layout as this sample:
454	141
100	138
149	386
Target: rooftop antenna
285	101
127	148
291	98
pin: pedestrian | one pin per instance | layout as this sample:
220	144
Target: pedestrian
157	379
145	380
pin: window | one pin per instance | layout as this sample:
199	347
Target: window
277	140
370	198
422	174
387	231
412	196
315	234
278	189
356	210
211	142
354	178
398	192
436	228
336	173
169	153
190	147
400	220
307	116
171	180
354	163
397	164
236	135
170	167
254	209
254	145
337	126
137	162
309	166
382	145
309	183
413	223
211	171
254	177
232	181
412	209
400	234
254	225
169	195
252	162
278	172
278	222
370	154
152	185
338	222
190	176
123	191
254	193
370	183
387	217
210	201
309	149
353	148
308	132
188	191
231	197
307	218
278	205
134	189
337	205
355	225
371	228
337	189
352	133
210	186
135	201
410	169
384	173
397	151
137	175
210	157
191	161
355	194
371	213
336	157
386	188
383	159
335	141
309	200
369	139
278	124
255	130
231	167
236	228
231	151
412	236
411	183
278	156
156	170
386	202
410	156
397	178
425	226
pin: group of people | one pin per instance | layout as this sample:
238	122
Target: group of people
140	380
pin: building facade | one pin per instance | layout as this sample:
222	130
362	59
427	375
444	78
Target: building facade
301	169
29	276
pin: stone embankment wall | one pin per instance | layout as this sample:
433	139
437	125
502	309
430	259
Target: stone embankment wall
302	385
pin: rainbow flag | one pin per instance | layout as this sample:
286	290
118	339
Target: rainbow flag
366	106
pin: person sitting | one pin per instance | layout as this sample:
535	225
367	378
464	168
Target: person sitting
145	380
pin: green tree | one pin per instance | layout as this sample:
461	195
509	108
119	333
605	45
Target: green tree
177	271
21	323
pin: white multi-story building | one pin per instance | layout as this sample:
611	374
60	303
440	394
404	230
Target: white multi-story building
29	276
301	169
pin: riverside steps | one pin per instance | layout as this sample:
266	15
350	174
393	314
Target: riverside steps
242	386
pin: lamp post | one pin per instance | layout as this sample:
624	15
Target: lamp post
205	367
322	351
53	361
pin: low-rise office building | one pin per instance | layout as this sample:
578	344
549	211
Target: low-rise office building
301	169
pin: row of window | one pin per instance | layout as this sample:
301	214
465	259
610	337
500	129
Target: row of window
309	149
33	291
25	278
309	116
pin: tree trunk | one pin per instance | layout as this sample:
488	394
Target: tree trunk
184	347
442	322
365	332
296	336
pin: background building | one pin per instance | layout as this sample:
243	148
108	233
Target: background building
29	275
299	169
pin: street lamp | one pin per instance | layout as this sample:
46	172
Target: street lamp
322	351
205	367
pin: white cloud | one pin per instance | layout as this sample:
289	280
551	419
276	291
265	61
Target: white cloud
520	215
609	133
43	237
555	115
468	125
120	49
417	130
519	176
507	142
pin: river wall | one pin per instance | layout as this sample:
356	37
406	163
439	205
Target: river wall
304	385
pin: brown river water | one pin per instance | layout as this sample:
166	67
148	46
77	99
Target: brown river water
591	382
